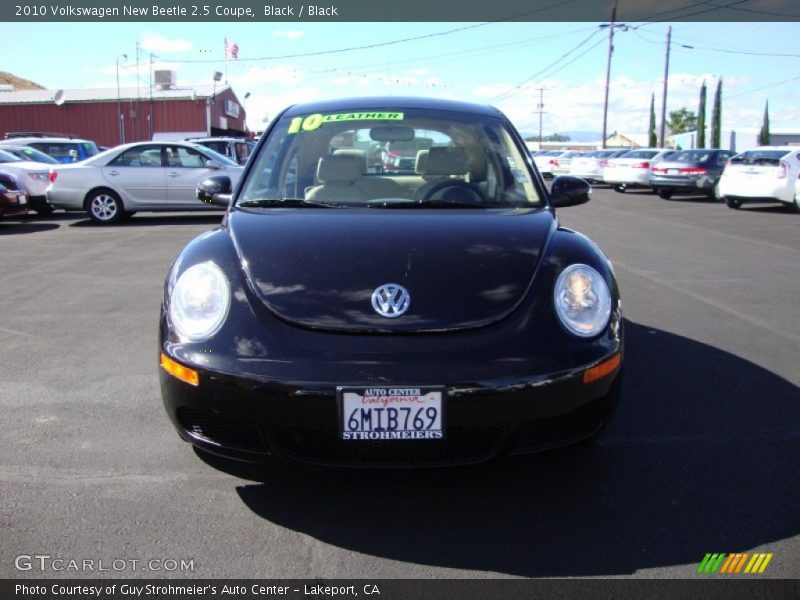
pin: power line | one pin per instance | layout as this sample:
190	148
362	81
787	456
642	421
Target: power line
517	88
391	42
771	85
695	46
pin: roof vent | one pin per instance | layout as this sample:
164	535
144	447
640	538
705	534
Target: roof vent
165	79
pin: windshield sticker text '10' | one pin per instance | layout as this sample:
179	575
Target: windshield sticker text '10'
315	121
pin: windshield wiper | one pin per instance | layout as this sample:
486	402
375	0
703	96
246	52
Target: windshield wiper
285	203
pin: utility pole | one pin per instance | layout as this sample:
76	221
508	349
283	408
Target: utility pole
540	106
661	137
608	70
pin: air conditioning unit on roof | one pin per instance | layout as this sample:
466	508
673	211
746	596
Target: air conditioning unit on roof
165	79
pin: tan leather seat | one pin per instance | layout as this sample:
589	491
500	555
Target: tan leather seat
338	176
442	163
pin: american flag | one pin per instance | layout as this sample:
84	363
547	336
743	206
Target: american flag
232	49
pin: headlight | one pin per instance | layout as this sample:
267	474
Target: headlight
583	303
199	302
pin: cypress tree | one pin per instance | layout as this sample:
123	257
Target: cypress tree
763	136
653	138
701	118
716	117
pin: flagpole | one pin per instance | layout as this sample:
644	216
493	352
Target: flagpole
225	52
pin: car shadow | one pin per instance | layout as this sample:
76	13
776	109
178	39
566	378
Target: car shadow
701	457
772	208
18	226
150	220
698	199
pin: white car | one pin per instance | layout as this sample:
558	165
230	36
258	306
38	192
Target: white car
765	174
632	169
562	162
34	177
545	161
143	176
590	165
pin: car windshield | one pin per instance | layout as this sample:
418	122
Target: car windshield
391	158
7	157
640	154
759	157
214	155
26	153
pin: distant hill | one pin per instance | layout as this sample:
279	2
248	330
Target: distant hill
18	82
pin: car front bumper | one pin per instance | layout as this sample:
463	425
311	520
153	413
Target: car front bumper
254	420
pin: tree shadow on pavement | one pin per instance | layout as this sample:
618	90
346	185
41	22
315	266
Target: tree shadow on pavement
152	220
702	457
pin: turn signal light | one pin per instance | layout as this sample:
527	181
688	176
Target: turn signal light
53	175
604	368
178	371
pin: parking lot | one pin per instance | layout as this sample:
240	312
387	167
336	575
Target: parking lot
704	455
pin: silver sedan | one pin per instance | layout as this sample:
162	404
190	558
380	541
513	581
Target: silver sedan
143	176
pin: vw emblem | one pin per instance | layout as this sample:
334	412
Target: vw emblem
390	300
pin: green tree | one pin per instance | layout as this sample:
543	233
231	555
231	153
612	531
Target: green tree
652	137
682	120
556	137
701	118
763	136
716	117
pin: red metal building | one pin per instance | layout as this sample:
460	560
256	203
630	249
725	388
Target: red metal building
111	116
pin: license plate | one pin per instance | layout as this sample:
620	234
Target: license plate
21	199
391	413
672	171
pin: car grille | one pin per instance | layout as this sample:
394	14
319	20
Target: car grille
550	432
222	430
461	445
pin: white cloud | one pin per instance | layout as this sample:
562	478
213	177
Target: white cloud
288	34
155	42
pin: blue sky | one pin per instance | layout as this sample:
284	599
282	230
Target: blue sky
498	63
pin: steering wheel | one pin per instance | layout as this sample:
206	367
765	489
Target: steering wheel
468	192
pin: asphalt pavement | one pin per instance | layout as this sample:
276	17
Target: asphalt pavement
704	455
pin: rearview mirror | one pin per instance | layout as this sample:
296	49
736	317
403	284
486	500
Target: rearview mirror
569	191
215	190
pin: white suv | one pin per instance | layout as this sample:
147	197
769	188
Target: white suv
765	174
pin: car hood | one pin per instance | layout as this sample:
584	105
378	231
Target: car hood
319	267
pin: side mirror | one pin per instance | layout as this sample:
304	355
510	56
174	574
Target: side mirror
215	190
212	164
569	191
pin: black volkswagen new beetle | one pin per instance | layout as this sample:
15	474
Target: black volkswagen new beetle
346	316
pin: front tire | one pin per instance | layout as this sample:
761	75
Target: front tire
733	203
619	188
665	194
104	207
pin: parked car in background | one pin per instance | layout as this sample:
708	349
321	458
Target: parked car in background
34	177
561	163
63	149
30	154
545	159
764	174
237	149
590	165
13	198
401	156
151	176
632	169
689	172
